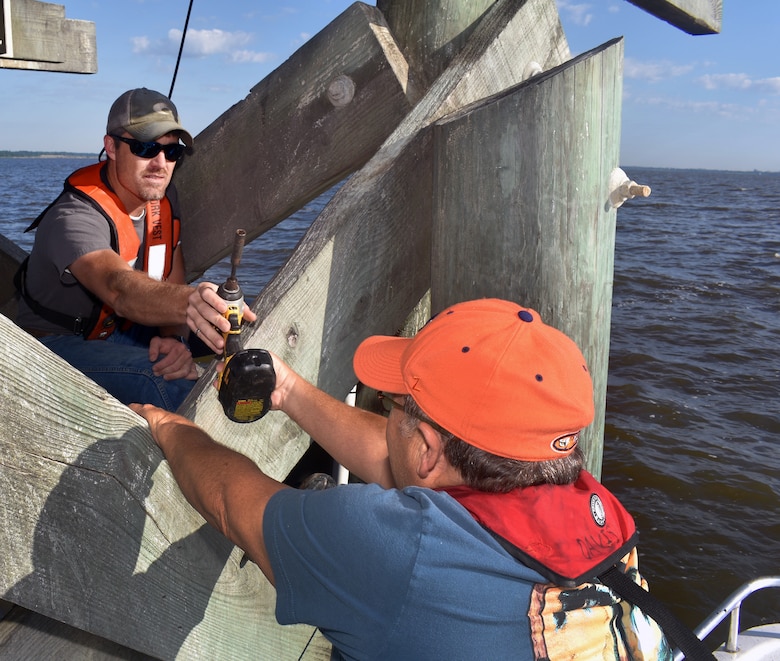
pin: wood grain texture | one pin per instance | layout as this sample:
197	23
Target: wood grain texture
287	142
11	256
692	16
42	39
520	183
97	534
431	33
28	635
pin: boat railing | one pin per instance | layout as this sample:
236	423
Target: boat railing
732	605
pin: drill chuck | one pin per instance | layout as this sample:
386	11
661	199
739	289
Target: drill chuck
247	378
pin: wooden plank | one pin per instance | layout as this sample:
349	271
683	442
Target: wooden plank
314	120
28	635
691	16
102	538
365	262
4	33
521	182
428	42
11	256
41	38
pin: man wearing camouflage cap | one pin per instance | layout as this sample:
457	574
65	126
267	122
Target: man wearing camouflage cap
104	283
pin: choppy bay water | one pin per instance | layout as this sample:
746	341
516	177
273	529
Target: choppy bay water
692	442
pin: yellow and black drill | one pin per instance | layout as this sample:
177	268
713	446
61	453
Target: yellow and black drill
248	378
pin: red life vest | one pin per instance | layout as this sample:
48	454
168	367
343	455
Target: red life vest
162	237
568	533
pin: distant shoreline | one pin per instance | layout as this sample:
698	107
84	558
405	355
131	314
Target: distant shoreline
64	154
44	154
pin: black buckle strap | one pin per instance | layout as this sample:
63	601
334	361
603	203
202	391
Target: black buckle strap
680	635
77	325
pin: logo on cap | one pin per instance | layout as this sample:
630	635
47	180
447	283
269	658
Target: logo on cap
566	443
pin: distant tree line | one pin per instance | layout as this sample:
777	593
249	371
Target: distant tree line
43	154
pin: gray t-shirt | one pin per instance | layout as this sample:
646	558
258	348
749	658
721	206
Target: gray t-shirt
70	229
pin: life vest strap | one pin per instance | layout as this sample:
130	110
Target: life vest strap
680	635
77	325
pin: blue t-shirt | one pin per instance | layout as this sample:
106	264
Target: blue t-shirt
389	574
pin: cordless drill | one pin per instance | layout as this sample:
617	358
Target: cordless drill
247	378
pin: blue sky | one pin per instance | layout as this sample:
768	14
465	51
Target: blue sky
689	101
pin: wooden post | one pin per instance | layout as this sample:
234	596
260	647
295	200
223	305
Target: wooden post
521	189
692	16
37	36
11	256
428	41
313	121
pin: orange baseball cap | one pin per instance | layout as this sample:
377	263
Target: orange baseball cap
492	373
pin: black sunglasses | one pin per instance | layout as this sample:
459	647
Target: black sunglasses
173	152
388	404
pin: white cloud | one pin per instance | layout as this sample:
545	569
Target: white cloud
579	13
141	44
730	111
204	43
771	84
250	56
653	72
740	81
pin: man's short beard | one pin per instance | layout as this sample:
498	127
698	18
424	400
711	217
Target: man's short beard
147	194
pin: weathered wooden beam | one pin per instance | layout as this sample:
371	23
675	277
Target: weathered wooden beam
97	534
691	16
11	256
37	36
431	33
520	205
313	121
365	261
28	635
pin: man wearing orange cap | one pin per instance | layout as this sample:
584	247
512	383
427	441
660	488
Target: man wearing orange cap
477	534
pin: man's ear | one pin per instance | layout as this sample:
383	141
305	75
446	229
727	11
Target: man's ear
109	144
431	451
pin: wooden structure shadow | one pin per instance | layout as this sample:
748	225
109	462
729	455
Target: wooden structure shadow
472	174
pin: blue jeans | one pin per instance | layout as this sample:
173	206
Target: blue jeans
121	365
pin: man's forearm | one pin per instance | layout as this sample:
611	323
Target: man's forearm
224	486
145	301
353	437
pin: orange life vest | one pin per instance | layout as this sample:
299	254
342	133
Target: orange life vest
162	237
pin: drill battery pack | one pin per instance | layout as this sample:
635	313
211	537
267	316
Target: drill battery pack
246	384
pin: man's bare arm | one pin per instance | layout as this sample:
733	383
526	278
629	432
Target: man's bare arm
353	437
226	487
133	294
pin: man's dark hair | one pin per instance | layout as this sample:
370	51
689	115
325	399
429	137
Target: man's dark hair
488	472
